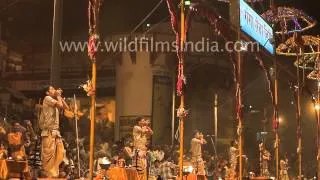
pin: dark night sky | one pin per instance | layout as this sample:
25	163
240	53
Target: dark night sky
30	21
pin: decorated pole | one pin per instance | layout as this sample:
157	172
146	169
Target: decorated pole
239	114
276	117
276	110
180	79
299	130
180	39
317	109
315	75
93	14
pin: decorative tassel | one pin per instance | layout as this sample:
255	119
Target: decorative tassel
93	13
87	87
181	112
93	46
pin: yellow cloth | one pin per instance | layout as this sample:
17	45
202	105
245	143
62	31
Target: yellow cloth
3	169
15	138
117	174
52	154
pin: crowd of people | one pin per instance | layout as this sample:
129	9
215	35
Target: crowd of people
47	153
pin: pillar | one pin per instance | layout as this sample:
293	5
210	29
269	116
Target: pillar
133	91
143	88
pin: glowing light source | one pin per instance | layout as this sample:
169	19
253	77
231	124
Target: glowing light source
280	120
317	106
187	169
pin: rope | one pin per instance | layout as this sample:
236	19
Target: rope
146	17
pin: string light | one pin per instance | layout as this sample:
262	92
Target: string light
291	47
287	20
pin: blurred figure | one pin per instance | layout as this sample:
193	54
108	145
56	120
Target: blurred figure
52	149
233	158
284	167
167	169
17	141
155	171
196	153
265	157
141	132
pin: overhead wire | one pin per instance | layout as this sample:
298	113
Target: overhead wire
143	21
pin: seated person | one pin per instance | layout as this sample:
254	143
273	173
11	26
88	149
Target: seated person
16	139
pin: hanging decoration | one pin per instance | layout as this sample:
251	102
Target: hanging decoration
93	14
267	75
88	88
275	123
93	42
315	74
306	62
287	20
93	46
181	79
181	112
299	45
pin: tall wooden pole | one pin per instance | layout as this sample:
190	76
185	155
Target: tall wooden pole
276	111
318	123
299	131
92	119
215	118
182	40
181	141
317	109
94	9
173	114
276	116
239	101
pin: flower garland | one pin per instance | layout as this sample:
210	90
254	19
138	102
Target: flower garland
181	80
88	88
93	46
181	112
93	13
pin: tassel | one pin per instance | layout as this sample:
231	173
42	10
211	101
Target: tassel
93	46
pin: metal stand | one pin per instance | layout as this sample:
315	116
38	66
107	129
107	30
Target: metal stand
213	146
77	132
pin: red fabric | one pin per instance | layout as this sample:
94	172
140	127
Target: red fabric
174	23
179	85
93	46
275	121
174	26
